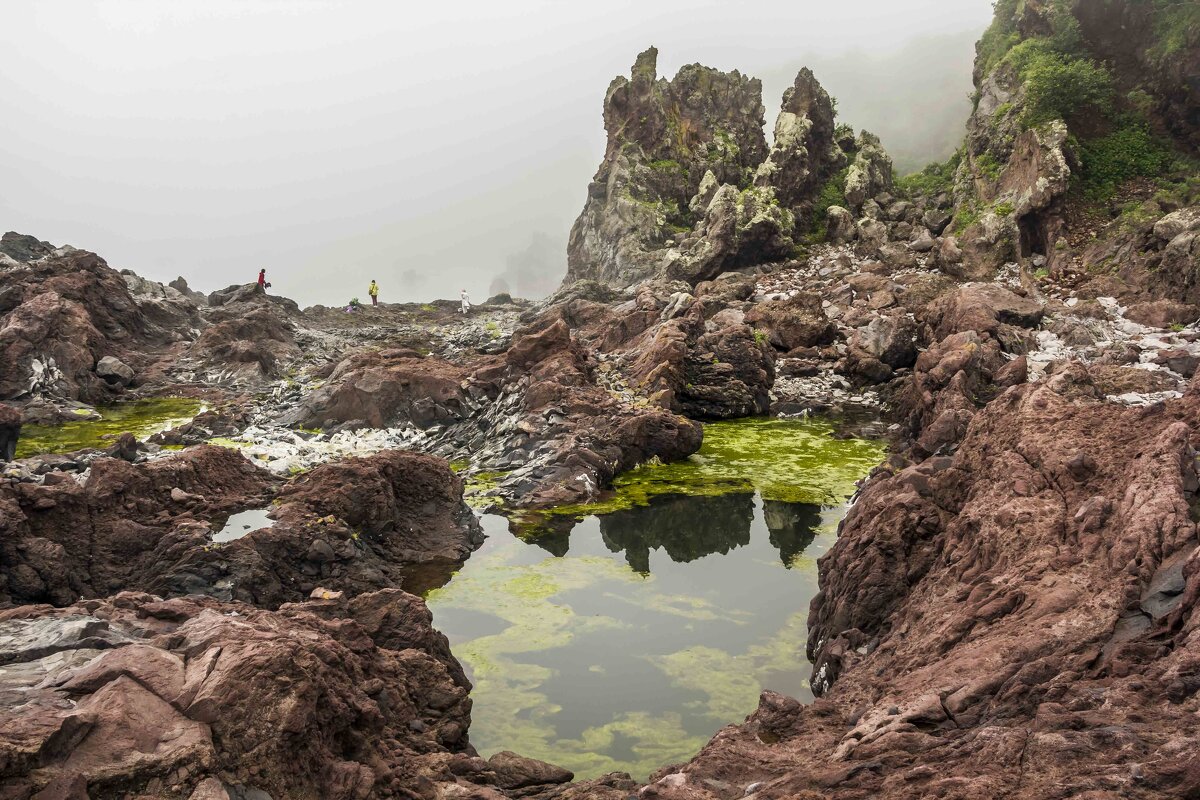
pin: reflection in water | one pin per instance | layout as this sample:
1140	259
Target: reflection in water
792	527
686	528
647	630
241	523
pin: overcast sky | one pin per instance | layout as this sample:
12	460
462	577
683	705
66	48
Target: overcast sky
420	144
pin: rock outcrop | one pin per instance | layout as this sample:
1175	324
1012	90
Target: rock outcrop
665	138
1061	87
61	312
194	698
355	525
688	188
66	541
804	153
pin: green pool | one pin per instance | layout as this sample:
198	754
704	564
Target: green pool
142	418
629	631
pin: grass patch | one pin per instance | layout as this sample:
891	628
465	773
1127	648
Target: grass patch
932	180
1130	151
833	193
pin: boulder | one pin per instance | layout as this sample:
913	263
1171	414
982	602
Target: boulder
1162	313
890	339
517	772
114	370
982	308
1185	220
1178	360
798	321
839	225
922	241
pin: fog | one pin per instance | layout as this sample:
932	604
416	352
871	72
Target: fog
431	148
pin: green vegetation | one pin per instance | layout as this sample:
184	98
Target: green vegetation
1129	151
142	418
1176	326
1060	78
1059	87
475	485
833	193
1001	36
1004	209
987	164
665	165
966	216
1176	28
932	180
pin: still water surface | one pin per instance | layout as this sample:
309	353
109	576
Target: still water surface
623	641
623	633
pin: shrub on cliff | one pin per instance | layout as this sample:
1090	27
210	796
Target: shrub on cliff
1129	151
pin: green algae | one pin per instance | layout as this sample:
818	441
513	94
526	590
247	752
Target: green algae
628	631
476	485
517	712
788	460
142	418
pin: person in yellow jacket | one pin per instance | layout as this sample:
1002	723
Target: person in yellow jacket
373	290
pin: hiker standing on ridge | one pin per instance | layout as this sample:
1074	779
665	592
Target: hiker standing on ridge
262	279
373	290
466	301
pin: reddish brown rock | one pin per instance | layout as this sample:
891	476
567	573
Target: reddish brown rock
1162	313
796	322
358	525
711	369
384	388
144	697
1015	620
257	342
65	541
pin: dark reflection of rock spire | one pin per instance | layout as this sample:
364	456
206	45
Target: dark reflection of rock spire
792	527
685	527
551	533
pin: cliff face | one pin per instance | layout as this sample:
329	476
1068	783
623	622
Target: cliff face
1082	109
688	187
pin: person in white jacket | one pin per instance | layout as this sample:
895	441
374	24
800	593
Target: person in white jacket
466	301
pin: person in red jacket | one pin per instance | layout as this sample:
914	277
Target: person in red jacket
262	279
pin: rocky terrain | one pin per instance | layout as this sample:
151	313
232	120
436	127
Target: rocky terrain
1006	613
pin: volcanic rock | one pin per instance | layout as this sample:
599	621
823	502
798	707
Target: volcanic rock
138	695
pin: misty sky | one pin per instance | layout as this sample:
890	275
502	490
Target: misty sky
418	144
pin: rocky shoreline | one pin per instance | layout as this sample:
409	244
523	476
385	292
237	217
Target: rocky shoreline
1007	610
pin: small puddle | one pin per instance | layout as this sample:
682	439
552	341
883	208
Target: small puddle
624	634
242	523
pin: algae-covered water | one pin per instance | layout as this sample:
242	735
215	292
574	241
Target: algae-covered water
633	629
142	418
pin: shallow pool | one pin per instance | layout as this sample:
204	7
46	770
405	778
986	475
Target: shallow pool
624	640
241	523
142	418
